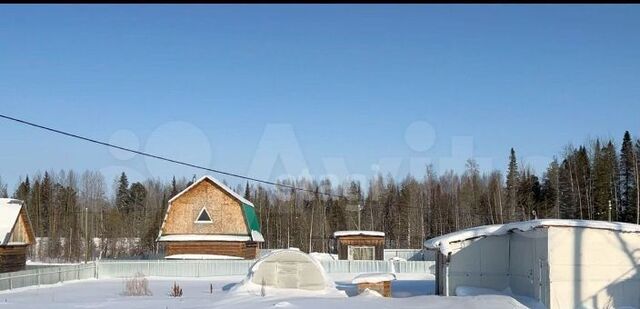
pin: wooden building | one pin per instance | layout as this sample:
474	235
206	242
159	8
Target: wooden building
16	235
209	220
359	245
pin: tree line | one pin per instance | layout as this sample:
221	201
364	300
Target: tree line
595	181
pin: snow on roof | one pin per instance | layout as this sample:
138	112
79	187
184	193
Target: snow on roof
9	212
356	233
201	257
257	236
198	237
324	256
373	278
443	242
218	183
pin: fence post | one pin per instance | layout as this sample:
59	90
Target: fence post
10	282
60	274
38	275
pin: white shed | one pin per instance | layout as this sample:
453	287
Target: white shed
560	263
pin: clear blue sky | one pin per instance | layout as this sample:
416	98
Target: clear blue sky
204	84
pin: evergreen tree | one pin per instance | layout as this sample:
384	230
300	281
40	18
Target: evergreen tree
627	179
22	192
512	187
122	195
604	171
46	199
551	191
174	188
137	198
247	192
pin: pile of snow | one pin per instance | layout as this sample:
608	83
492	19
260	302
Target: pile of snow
201	257
324	256
358	233
397	259
443	242
369	293
373	278
476	291
287	272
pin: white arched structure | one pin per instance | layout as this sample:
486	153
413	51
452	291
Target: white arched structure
287	269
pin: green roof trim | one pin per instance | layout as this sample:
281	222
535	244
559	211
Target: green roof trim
252	218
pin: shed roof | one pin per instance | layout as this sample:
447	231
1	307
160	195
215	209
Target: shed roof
358	233
442	242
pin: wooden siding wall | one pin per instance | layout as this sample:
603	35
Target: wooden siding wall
13	258
384	287
343	243
225	212
246	250
22	230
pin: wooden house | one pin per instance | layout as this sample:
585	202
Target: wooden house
16	235
359	245
209	220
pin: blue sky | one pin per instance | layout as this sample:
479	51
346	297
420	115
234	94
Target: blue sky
358	87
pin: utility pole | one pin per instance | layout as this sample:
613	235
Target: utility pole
359	210
86	235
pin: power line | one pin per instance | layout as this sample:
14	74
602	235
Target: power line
161	157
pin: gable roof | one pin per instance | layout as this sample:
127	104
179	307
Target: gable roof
10	210
218	183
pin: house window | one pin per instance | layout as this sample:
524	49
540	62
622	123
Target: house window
361	253
203	216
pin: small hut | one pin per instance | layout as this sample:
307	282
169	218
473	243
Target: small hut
359	245
209	220
16	235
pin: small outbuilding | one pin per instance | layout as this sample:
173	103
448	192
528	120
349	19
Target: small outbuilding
16	235
359	245
559	263
208	219
287	269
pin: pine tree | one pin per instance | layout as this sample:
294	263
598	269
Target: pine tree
551	191
247	192
627	179
123	195
512	186
174	188
46	199
604	171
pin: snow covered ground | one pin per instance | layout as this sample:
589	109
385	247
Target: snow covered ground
409	291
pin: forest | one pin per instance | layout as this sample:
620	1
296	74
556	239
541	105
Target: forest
597	181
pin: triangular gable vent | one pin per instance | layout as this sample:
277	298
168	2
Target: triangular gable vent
204	217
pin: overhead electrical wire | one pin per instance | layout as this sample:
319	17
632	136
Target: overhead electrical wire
146	154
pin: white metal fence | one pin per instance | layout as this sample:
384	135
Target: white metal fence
43	276
164	268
